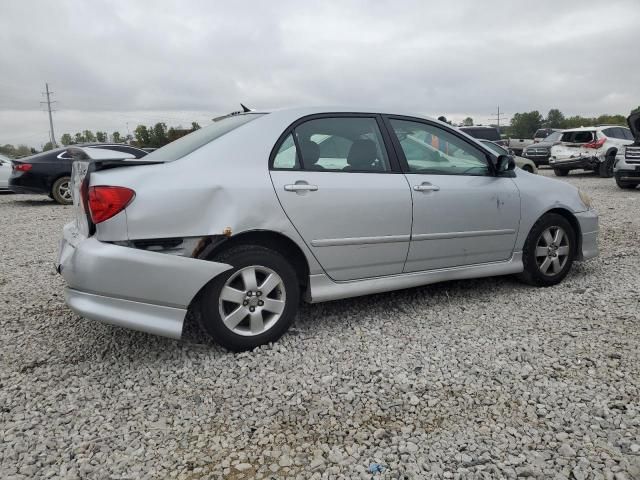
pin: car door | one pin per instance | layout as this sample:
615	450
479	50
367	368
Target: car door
5	172
462	213
344	194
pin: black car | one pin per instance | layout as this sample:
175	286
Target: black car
49	172
540	152
485	133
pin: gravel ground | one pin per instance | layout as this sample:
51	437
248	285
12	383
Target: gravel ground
472	379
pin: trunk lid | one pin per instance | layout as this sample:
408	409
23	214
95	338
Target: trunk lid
634	124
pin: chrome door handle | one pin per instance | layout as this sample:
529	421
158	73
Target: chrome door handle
426	187
301	187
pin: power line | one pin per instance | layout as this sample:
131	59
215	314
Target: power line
52	135
497	116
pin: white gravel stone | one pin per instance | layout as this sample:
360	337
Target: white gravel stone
483	378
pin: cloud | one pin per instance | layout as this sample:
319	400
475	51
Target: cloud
110	63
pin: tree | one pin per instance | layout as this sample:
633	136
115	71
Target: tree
524	125
66	139
468	122
159	135
101	136
78	138
47	146
115	137
195	126
555	119
142	136
89	136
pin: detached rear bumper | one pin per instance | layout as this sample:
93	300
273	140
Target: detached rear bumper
133	288
589	228
587	163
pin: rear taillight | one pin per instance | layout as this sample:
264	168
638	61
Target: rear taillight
596	143
22	167
105	201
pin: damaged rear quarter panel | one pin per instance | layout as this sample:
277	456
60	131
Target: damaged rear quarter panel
224	184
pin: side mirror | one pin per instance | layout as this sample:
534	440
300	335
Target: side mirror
504	163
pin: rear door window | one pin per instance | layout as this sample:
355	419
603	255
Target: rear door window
343	144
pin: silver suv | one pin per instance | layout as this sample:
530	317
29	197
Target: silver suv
239	220
627	167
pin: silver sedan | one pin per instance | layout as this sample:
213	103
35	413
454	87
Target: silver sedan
240	220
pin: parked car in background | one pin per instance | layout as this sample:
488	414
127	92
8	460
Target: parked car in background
485	133
627	167
589	148
523	163
543	133
238	220
540	152
49	172
517	145
5	171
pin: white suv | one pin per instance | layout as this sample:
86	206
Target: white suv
589	148
627	166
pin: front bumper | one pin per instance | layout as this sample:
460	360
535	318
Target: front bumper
589	239
537	159
138	289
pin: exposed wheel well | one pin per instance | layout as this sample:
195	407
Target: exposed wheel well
56	178
575	224
274	241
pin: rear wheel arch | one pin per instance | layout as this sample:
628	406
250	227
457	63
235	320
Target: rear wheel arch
273	241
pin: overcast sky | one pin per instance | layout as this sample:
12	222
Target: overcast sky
111	63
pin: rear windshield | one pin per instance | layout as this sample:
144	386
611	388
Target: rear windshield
484	133
554	137
578	137
189	143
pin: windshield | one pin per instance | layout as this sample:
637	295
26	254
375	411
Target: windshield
554	137
497	149
189	143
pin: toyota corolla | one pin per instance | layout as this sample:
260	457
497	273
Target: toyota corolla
239	221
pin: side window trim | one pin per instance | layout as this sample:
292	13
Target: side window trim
404	164
387	140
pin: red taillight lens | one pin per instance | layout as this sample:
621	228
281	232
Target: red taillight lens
105	202
22	167
596	144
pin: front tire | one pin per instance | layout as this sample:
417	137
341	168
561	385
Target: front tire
61	191
549	251
625	185
252	304
560	172
527	168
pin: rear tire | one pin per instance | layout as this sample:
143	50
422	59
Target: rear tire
527	168
625	185
560	172
61	191
605	169
547	255
252	304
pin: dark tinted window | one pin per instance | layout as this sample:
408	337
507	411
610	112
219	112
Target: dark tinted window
137	152
627	134
342	144
486	133
577	137
610	132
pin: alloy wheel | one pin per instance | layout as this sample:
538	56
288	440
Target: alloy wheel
552	251
64	190
252	300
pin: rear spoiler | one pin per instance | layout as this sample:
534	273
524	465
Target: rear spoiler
103	158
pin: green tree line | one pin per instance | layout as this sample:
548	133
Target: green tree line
524	125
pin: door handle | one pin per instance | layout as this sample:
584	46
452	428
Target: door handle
426	187
301	187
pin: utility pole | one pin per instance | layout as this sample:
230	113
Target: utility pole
49	102
497	116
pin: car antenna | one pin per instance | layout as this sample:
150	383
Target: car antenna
245	109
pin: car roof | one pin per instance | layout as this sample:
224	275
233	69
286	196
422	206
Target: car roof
313	110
